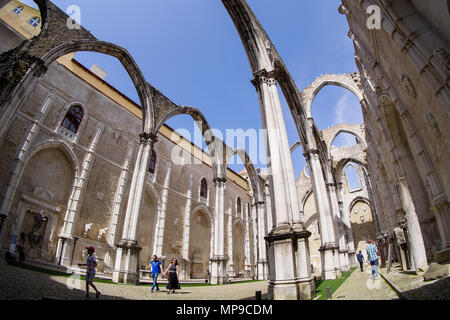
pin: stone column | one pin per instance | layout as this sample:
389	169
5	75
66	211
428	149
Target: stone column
127	256
326	221
187	228
341	264
269	215
417	244
262	256
218	260
254	222
247	221
441	211
230	264
159	230
76	199
118	197
18	163
347	226
284	275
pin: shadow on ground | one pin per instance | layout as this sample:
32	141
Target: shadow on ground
31	285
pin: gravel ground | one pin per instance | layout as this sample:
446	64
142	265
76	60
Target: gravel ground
18	283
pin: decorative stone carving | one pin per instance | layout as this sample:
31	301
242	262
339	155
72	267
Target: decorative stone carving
432	123
87	227
42	193
444	58
101	233
408	86
399	235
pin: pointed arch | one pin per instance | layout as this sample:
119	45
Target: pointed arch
142	88
255	180
349	81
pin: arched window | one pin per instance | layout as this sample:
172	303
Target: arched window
238	205
152	166
18	10
203	189
352	178
35	21
73	118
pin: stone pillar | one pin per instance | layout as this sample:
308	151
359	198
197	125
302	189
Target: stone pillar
118	197
269	214
127	256
218	260
341	264
254	222
286	265
326	221
230	263
248	265
76	199
347	226
417	244
15	171
262	256
187	228
159	232
441	211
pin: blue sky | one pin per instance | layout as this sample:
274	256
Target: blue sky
191	52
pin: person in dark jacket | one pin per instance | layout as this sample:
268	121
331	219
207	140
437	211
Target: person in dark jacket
360	258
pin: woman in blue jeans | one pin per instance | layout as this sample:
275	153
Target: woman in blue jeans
155	264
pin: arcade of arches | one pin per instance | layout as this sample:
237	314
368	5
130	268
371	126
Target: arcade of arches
82	164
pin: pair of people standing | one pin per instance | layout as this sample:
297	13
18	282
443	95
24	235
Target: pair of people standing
172	272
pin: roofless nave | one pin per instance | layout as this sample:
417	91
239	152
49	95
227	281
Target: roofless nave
402	84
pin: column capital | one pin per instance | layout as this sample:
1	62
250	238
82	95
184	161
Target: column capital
219	180
147	138
311	153
263	76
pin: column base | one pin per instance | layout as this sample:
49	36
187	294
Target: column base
126	269
352	259
64	250
218	270
328	262
283	251
442	256
343	260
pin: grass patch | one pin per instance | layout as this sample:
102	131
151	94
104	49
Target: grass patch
321	286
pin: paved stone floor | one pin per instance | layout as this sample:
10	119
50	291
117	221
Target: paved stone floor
360	286
19	283
414	287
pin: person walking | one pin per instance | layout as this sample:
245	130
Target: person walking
172	272
155	264
360	258
372	255
91	264
21	247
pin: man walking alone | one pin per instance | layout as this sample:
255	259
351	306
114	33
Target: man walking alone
372	254
360	258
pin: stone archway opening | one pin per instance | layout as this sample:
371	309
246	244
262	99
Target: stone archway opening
362	223
146	228
41	197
